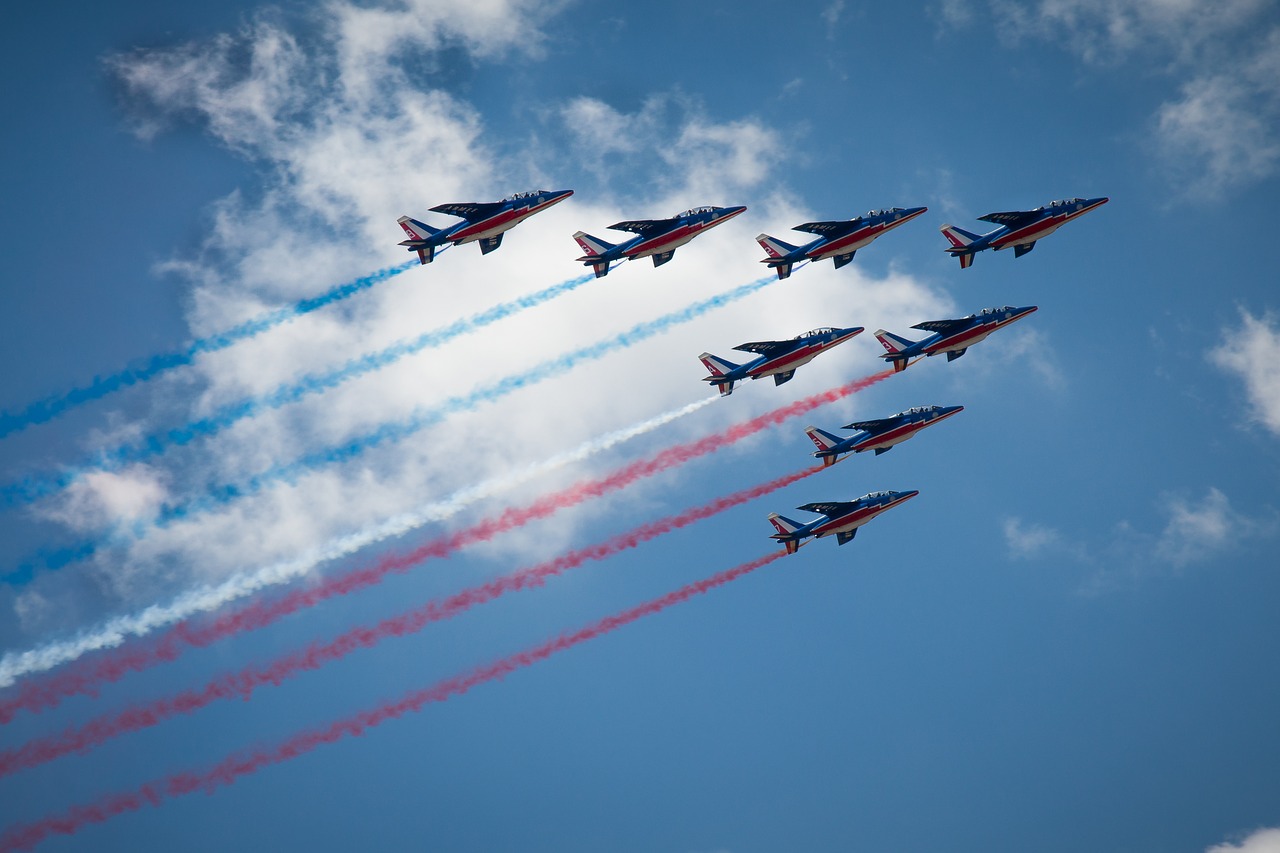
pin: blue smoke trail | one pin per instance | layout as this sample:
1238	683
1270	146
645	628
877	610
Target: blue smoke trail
224	494
49	408
33	489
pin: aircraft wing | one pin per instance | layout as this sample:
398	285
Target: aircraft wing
876	425
471	211
1012	218
828	229
944	327
830	508
645	227
767	348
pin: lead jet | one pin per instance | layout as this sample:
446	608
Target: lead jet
950	336
878	435
778	359
837	240
655	238
1018	228
843	518
482	222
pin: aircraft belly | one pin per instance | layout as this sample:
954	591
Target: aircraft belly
1028	234
962	340
892	437
490	227
666	243
850	522
790	361
843	246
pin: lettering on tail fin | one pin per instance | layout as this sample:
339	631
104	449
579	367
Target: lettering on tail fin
592	247
773	247
416	230
821	439
893	344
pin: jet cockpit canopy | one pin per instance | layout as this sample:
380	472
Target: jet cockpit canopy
706	208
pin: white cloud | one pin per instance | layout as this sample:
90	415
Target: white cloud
1025	540
1253	354
347	141
1197	530
1220	131
1259	841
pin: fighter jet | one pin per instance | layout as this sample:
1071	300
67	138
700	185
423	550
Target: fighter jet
843	518
656	238
951	336
878	435
1018	228
838	240
778	359
483	222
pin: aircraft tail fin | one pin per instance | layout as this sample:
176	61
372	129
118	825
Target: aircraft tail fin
960	240
824	441
894	346
786	531
592	247
718	368
416	231
776	250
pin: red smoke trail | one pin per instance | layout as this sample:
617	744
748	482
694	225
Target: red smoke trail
24	837
84	678
242	684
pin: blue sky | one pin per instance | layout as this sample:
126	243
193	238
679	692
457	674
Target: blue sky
1066	642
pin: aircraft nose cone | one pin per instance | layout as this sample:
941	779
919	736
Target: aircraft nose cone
1022	312
951	410
726	212
913	212
906	496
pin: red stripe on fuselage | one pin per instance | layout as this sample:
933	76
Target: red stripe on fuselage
857	518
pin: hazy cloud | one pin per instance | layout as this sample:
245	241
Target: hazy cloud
1252	353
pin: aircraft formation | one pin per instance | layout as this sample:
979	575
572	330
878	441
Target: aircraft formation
837	240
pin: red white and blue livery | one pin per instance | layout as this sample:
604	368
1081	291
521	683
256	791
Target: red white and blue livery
778	359
842	518
837	240
655	238
482	222
879	435
1019	229
952	337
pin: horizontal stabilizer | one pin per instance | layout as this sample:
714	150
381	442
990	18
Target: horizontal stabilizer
966	261
783	268
601	269
426	255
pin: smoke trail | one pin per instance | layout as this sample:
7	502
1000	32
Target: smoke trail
51	407
84	679
392	432
242	684
315	383
26	836
209	598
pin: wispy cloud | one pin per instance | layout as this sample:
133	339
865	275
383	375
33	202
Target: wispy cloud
1259	841
1252	353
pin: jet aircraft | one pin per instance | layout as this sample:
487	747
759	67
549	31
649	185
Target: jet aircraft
843	518
950	336
1018	228
483	222
878	435
778	359
655	238
837	240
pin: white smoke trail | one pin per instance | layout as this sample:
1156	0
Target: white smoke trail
15	665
